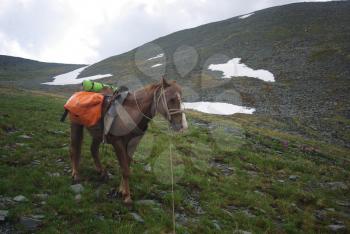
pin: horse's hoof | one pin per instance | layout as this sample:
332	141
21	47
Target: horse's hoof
113	193
75	179
127	201
104	176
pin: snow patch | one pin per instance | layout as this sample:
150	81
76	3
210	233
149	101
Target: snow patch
218	108
71	77
157	56
245	16
234	68
157	65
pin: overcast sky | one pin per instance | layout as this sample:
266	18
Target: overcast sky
86	31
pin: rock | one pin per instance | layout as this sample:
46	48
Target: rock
147	168
137	217
24	136
241	232
281	181
77	197
330	209
293	177
30	224
54	174
343	203
42	196
248	214
3	214
336	185
77	188
336	227
38	216
20	198
216	225
147	202
36	162
181	218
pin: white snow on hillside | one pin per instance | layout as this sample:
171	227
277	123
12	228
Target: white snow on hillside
234	68
218	108
245	16
157	56
157	65
71	77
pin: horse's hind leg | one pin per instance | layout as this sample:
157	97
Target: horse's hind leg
95	145
124	189
75	149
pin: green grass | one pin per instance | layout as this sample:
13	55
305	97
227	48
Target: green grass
254	178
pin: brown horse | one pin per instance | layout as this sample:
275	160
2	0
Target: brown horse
138	110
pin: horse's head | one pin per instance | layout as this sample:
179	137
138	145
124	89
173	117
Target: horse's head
170	104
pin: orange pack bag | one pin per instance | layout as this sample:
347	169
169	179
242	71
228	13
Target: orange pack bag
85	108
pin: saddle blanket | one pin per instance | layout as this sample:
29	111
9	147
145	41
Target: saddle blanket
85	108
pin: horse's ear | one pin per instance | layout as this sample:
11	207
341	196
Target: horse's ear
164	82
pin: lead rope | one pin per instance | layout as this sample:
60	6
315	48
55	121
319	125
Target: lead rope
161	97
172	188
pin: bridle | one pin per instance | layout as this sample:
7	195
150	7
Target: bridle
156	100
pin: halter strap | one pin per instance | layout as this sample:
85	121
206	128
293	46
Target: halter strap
161	97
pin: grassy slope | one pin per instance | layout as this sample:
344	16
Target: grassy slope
20	72
235	169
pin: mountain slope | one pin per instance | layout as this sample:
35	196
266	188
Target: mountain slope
231	173
305	45
30	73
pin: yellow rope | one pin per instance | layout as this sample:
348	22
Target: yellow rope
172	187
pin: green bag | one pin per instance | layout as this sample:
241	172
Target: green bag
97	87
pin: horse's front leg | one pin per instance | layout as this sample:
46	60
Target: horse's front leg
75	149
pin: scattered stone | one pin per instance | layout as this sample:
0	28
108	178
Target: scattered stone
20	198
321	215
77	188
42	196
43	203
36	162
258	192
281	181
100	217
3	214
147	202
248	214
336	227
77	197
293	177
30	224
38	216
181	218
241	232
343	203
54	174
225	169
216	225
20	144
24	136
147	168
194	203
137	217
336	185
252	173
330	209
